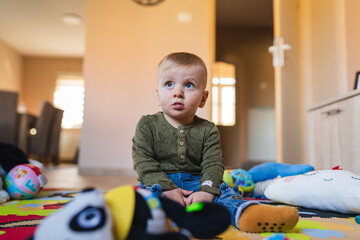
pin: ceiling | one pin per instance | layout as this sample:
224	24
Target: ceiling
35	28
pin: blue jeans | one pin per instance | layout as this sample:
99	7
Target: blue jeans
229	197
186	181
182	180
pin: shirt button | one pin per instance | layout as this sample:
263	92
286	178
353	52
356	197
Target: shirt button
181	143
182	157
181	130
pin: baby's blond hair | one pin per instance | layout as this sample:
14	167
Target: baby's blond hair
181	59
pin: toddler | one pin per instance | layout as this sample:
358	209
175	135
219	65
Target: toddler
179	154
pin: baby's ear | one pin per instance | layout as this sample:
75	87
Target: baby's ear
204	98
157	96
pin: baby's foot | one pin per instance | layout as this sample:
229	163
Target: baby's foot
266	218
227	191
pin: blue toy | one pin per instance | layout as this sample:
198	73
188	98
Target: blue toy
239	177
277	236
267	171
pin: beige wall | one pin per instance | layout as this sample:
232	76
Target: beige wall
125	42
10	68
40	75
352	8
330	34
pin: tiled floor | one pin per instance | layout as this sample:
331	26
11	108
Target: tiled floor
65	176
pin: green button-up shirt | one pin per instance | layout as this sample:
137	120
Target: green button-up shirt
159	149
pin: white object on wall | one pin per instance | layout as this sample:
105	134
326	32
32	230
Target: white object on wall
261	136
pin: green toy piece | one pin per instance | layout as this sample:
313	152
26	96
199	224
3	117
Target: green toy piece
195	207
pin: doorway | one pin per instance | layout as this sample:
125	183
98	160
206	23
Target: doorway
244	32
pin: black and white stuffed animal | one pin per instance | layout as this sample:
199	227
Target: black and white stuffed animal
131	213
10	156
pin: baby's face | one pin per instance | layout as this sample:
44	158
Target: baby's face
181	92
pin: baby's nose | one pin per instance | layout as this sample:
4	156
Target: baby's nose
178	92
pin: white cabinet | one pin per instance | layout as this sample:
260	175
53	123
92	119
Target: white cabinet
333	134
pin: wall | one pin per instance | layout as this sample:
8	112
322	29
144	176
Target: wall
327	46
10	68
352	8
247	48
124	43
40	75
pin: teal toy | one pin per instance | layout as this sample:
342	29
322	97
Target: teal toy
239	177
357	219
277	236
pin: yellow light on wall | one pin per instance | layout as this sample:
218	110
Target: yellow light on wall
223	94
69	96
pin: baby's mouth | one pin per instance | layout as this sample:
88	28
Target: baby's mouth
177	106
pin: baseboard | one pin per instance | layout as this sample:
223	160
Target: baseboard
106	171
252	163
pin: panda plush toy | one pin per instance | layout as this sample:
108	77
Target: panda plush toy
129	212
10	156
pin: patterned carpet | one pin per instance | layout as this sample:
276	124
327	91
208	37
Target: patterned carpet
19	219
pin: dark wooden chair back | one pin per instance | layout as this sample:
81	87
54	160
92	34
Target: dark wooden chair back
8	116
39	142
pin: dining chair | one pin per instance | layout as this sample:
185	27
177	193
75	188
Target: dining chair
8	116
54	139
38	143
26	121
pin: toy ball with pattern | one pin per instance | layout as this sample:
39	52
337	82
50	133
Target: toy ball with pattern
24	181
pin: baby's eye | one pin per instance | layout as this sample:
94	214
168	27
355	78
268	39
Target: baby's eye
189	85
169	84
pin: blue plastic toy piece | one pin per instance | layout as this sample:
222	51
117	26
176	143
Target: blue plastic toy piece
240	178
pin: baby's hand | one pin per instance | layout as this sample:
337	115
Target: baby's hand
177	195
200	196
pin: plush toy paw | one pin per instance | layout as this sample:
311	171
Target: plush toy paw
4	196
